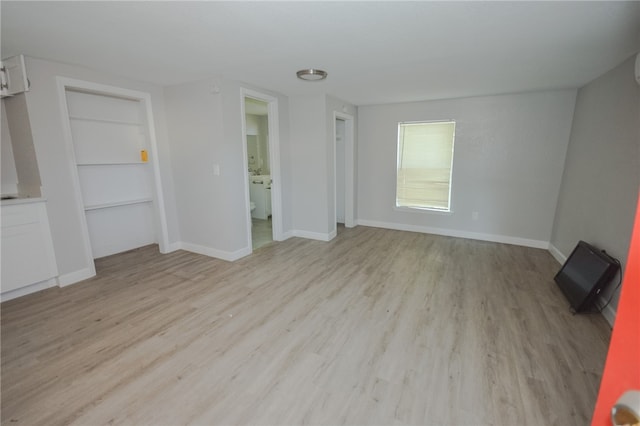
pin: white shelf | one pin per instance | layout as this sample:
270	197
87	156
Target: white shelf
117	204
124	163
105	120
116	186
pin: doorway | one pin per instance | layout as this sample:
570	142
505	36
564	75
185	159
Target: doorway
261	149
340	170
258	166
344	174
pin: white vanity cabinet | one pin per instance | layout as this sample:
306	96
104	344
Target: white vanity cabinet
27	249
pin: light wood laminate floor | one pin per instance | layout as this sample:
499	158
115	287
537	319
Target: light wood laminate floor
261	232
374	327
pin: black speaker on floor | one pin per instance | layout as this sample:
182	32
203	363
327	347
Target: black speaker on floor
584	275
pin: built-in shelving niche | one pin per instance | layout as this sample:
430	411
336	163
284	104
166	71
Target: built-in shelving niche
117	186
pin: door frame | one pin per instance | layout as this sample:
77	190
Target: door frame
349	172
161	229
273	123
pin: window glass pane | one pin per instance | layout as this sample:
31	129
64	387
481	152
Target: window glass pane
425	156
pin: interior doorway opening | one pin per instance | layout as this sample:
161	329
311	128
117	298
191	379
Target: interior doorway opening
344	171
340	126
259	170
261	147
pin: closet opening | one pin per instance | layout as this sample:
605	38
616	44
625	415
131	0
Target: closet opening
344	170
115	168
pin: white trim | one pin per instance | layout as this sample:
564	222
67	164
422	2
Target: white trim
171	247
334	161
399	156
76	276
349	170
286	235
273	123
557	254
314	235
245	159
163	240
63	84
229	256
458	234
608	312
423	210
23	291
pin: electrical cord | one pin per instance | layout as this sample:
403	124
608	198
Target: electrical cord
619	282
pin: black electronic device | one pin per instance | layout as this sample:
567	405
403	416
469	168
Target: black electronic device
584	275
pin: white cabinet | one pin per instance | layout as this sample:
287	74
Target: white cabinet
27	249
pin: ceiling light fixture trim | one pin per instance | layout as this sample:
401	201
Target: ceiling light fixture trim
312	74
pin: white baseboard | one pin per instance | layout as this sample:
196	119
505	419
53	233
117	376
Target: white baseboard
608	313
171	247
314	235
287	235
557	254
76	276
42	285
218	254
457	233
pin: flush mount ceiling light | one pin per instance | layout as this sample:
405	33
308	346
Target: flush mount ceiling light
311	74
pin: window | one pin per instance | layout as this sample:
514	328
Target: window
425	160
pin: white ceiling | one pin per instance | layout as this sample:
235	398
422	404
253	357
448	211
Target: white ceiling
375	52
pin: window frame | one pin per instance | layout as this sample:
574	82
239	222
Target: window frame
424	209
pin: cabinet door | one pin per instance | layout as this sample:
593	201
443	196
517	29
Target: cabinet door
13	76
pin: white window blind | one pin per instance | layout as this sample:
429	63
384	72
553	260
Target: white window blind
425	160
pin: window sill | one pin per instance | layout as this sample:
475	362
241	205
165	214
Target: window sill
423	211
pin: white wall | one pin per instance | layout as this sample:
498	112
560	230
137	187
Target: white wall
9	174
508	162
601	178
312	158
46	120
205	128
24	154
205	202
309	164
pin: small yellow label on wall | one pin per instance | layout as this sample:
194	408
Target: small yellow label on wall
144	156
